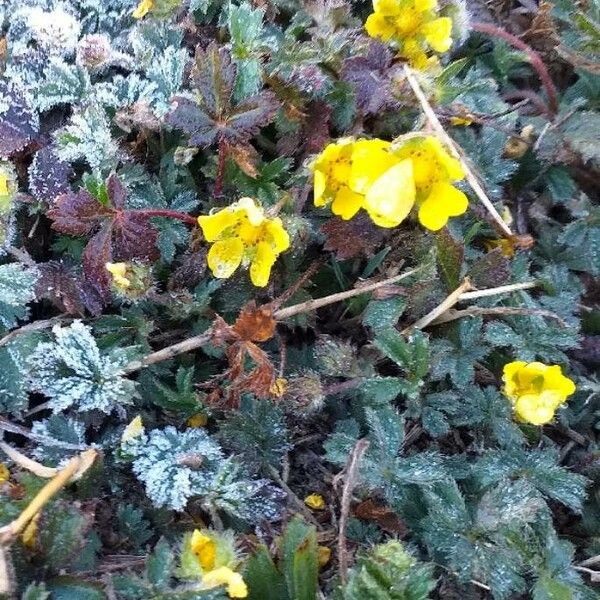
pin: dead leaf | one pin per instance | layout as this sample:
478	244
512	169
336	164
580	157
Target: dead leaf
255	324
383	515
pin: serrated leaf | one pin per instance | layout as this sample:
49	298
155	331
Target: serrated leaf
159	566
70	588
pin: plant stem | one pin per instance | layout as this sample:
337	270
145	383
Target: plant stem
536	60
169	214
220	168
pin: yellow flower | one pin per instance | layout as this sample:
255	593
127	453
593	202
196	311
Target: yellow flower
198	420
142	9
536	390
4	191
236	587
118	272
279	387
364	174
4	473
205	548
133	430
414	26
242	234
434	170
461	121
315	501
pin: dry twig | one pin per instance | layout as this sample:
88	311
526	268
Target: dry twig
449	142
350	480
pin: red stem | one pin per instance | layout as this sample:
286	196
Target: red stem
536	61
170	214
220	168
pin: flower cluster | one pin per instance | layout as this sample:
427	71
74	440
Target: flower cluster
241	234
387	180
536	390
211	557
131	280
414	25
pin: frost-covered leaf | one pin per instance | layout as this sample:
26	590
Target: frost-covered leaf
72	371
19	125
17	290
48	175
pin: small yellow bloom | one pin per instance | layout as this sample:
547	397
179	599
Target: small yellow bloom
315	501
364	174
324	554
414	26
142	9
242	234
506	246
205	548
279	387
434	170
236	587
133	430
4	473
198	420
536	390
118	272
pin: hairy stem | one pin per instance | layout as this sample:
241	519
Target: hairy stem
169	214
536	60
220	169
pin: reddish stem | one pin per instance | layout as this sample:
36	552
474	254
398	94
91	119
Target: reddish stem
536	61
169	214
220	168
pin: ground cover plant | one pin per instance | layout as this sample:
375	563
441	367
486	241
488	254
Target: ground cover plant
299	299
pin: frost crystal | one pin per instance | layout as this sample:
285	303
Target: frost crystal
61	432
72	371
17	289
176	466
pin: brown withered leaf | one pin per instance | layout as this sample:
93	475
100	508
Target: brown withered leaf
381	514
356	237
61	285
255	324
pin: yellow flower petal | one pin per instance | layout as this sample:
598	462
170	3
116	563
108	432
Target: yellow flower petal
324	554
255	214
213	226
387	7
3	185
197	420
225	256
133	430
423	5
379	27
142	9
392	196
319	183
346	203
444	201
236	588
315	501
4	473
438	33
532	410
277	236
205	549
370	159
260	269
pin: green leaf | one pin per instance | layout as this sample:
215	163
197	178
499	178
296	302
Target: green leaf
388	572
36	591
130	587
411	354
62	533
264	580
382	314
300	563
70	588
160	563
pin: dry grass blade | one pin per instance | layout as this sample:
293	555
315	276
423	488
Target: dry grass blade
441	133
